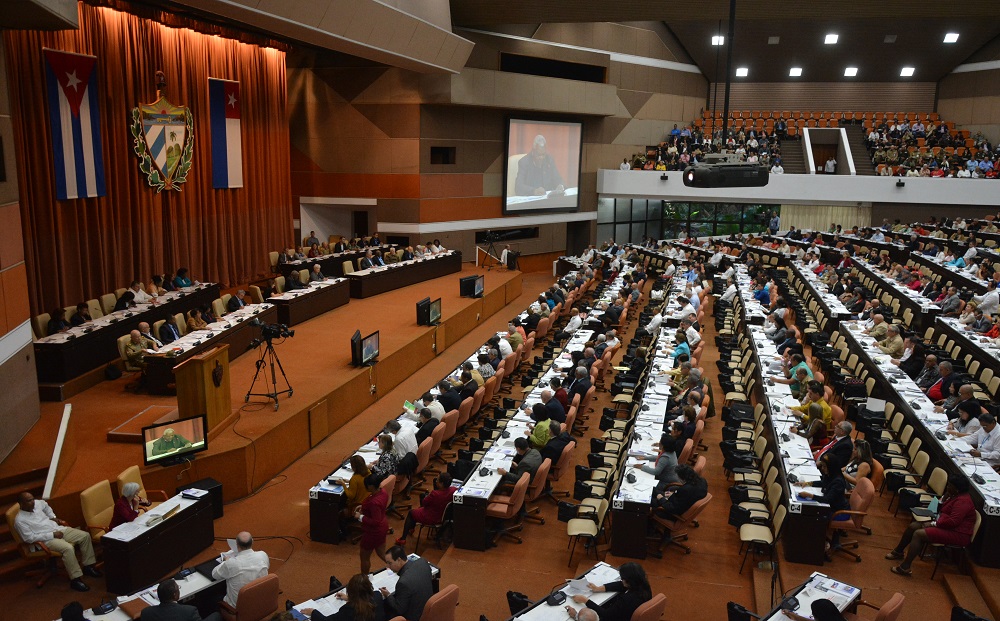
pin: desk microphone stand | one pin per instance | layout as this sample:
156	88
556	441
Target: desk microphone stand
268	357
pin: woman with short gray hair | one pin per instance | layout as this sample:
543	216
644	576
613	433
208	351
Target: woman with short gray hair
129	505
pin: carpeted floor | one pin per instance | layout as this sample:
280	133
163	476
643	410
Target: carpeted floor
697	585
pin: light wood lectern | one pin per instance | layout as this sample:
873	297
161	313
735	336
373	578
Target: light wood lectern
203	388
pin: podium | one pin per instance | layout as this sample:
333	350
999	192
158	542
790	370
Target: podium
203	388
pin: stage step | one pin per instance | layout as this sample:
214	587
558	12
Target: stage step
965	593
987	578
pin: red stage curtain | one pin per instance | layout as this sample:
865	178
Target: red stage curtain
80	249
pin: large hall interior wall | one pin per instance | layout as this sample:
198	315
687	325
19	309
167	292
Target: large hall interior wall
972	101
364	131
80	249
17	359
825	96
819	217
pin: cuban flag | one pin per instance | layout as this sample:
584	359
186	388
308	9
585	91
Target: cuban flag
76	124
227	142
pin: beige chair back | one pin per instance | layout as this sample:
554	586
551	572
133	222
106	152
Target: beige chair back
98	507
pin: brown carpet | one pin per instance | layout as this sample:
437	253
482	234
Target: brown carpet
697	585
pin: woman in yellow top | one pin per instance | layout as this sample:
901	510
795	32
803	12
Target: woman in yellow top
195	322
355	491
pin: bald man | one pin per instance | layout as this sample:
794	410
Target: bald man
135	349
241	568
879	327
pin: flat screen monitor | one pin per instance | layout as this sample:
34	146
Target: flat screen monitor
369	349
480	286
423	312
434	315
174	441
356	348
467	286
542	168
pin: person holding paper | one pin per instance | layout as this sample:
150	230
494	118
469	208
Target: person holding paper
241	568
414	587
633	591
364	603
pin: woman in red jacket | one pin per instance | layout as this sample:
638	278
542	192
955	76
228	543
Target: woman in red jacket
431	510
953	526
374	525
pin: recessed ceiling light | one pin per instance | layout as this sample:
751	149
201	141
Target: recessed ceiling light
831	39
951	37
889	39
795	72
718	40
850	72
773	40
742	72
906	72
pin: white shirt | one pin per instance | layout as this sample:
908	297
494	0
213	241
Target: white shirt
728	273
437	410
988	444
504	348
670	270
654	323
716	259
970	254
729	294
141	297
624	166
39	525
777	169
405	441
574	324
831	165
693	337
684	312
988	302
241	570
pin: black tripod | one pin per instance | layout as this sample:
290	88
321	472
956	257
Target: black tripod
491	253
268	357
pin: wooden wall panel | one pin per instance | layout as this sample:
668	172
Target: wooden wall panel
831	96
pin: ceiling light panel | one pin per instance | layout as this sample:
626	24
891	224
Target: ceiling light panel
951	37
889	39
773	40
831	39
742	72
906	72
718	40
850	72
795	72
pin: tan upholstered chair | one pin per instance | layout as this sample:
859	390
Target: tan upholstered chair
257	601
41	324
348	267
279	284
441	606
509	508
98	506
651	610
218	307
181	322
536	489
95	308
272	258
33	553
132	474
255	295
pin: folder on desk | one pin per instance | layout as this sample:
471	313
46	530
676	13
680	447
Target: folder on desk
206	568
134	607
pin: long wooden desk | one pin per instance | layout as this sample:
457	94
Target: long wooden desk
601	574
62	357
295	307
137	555
894	386
924	310
235	330
374	281
831	305
330	264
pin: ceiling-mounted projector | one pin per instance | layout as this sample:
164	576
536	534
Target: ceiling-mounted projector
726	176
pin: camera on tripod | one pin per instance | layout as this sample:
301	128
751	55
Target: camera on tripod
269	332
492	237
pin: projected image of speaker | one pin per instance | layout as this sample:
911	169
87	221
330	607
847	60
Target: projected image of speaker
542	169
471	286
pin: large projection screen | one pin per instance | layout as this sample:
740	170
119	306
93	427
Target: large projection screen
542	171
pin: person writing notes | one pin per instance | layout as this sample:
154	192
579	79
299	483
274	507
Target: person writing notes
633	590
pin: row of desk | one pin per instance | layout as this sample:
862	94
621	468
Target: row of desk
64	356
894	386
330	264
376	280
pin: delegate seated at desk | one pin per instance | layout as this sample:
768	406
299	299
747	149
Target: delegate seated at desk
169	609
169	441
363	603
242	568
537	172
633	591
414	587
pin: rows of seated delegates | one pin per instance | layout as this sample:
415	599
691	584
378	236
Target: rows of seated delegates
922	145
689	145
312	247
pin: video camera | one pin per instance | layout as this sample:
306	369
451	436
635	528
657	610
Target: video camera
490	236
269	332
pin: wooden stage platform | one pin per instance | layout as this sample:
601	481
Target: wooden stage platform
328	392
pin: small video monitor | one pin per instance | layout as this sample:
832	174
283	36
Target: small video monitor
174	441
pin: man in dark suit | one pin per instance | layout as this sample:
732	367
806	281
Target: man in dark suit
366	262
168	609
841	447
580	385
553	409
414	587
558	440
427	425
449	397
236	302
589	358
531	321
293	282
340	246
407	254
169	332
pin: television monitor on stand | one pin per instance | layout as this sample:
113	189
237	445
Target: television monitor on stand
479	287
467	286
356	348
423	312
174	442
434	313
369	349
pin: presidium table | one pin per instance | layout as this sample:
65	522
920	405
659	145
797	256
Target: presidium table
376	280
64	356
236	329
300	305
